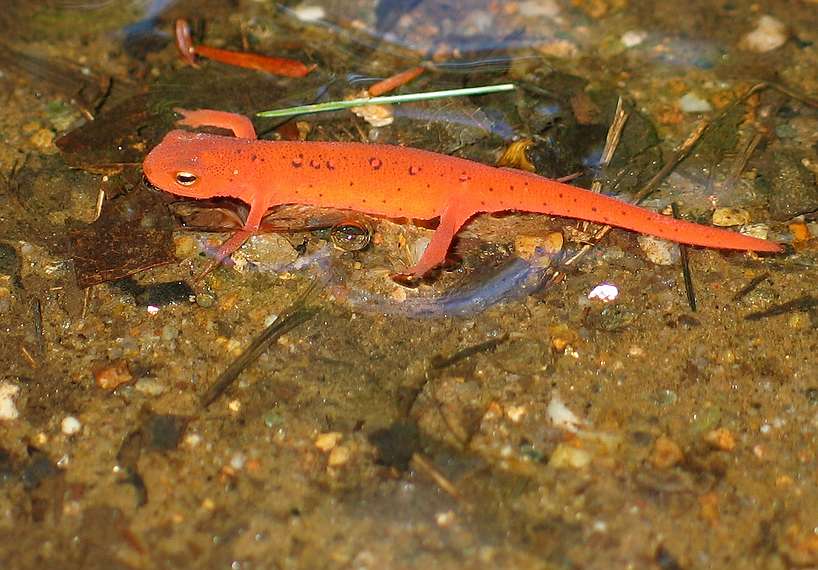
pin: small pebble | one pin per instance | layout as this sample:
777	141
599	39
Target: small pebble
538	249
237	461
799	230
659	251
568	456
768	35
445	519
43	139
726	217
8	392
721	438
666	453
760	231
327	441
113	374
636	351
169	332
205	300
70	425
692	103
150	387
309	12
339	456
633	38
516	413
268	252
193	439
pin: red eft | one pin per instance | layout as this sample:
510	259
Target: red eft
384	180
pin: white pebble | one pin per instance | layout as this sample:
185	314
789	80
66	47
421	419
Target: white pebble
70	425
604	292
238	460
769	34
309	13
633	38
8	391
692	103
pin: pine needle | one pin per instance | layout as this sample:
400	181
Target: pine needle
385	100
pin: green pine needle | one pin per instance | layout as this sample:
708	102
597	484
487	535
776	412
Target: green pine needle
385	100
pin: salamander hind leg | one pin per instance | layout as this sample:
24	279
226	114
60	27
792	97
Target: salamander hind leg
450	222
240	125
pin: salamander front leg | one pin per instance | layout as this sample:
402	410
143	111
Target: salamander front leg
450	222
240	125
237	239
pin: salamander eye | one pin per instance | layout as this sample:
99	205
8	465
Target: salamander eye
186	178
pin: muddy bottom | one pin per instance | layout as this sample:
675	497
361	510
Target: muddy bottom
494	416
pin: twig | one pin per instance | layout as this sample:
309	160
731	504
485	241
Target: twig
294	316
747	289
439	361
422	464
100	201
744	158
85	300
691	293
683	150
37	317
27	355
395	81
611	142
799	305
679	154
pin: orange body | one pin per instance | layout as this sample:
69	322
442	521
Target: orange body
387	181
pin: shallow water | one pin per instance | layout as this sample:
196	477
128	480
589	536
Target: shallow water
472	421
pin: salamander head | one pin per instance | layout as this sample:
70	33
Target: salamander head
194	165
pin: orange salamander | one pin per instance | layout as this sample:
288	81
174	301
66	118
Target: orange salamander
384	180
